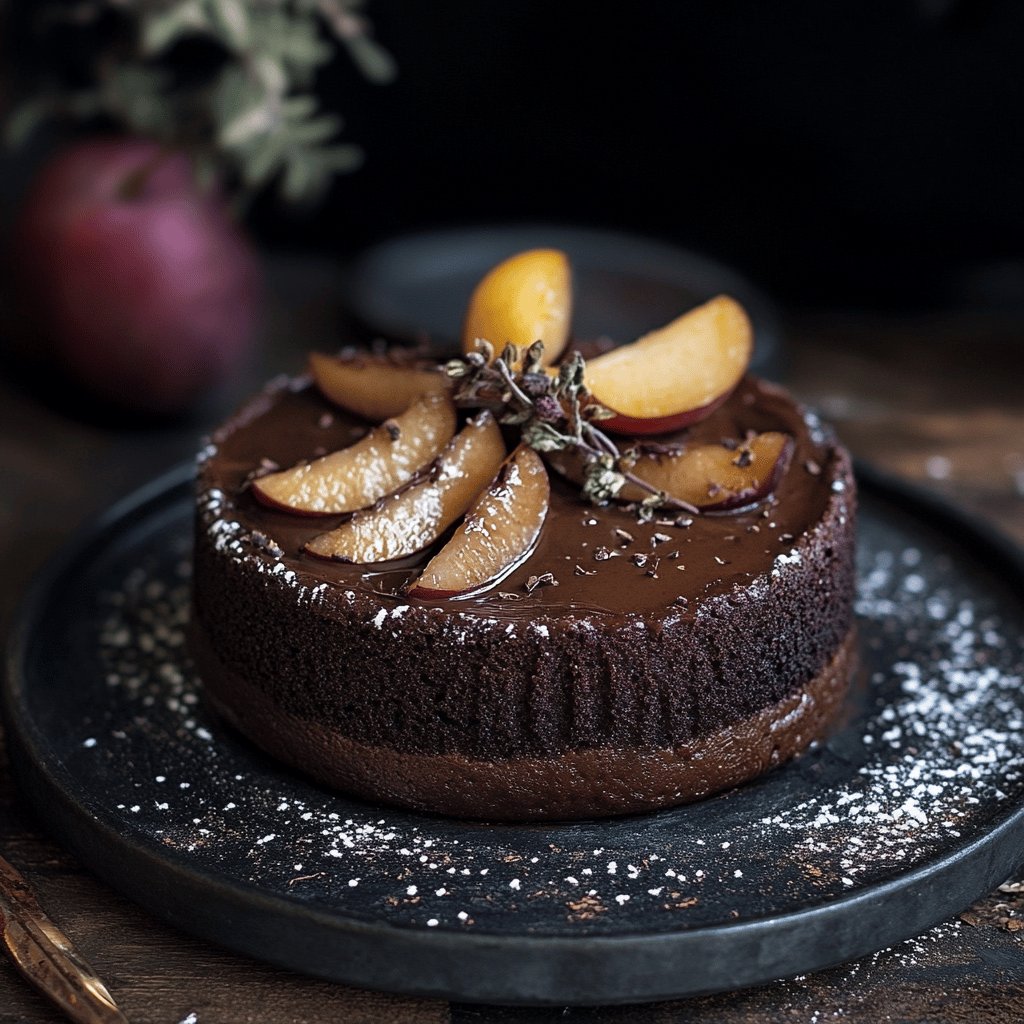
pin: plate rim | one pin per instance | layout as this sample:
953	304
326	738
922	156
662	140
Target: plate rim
464	966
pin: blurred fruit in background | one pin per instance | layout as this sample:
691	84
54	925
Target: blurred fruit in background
133	277
141	287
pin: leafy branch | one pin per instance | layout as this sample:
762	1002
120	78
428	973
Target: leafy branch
248	114
554	414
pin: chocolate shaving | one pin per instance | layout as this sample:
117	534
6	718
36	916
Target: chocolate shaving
544	579
639	559
624	536
580	571
506	596
659	538
602	554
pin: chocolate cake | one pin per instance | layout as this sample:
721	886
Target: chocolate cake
624	665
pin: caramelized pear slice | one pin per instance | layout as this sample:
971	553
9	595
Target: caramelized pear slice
498	533
675	375
372	387
716	477
355	477
524	299
408	522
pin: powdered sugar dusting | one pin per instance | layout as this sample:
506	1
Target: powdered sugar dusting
933	757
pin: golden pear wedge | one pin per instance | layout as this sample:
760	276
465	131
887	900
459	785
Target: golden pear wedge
498	533
523	299
411	520
373	387
355	477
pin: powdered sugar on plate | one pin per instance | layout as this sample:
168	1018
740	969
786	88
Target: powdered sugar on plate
931	758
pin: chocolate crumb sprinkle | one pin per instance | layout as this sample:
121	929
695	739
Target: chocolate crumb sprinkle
580	571
602	554
544	579
639	559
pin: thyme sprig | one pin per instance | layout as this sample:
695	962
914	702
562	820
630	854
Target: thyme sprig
554	414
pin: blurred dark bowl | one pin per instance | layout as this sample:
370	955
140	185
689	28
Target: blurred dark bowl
419	284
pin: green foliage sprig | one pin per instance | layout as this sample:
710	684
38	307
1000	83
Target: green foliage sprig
249	115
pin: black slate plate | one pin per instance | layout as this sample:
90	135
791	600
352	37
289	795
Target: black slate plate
624	284
912	810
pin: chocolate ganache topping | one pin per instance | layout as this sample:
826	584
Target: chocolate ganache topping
595	560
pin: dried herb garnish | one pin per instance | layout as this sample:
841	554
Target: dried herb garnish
554	414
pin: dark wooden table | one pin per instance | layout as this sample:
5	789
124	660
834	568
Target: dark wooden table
938	400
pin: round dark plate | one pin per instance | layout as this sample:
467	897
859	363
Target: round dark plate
624	284
913	809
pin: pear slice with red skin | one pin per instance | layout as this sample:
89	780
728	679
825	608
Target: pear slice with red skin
525	298
716	477
498	533
676	375
373	387
409	521
355	477
711	477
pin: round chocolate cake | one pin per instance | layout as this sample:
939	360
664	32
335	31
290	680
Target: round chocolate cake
624	665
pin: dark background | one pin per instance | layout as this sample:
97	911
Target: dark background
865	153
841	153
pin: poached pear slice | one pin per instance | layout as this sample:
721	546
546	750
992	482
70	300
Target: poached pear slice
411	520
525	298
355	477
498	533
371	386
716	477
676	375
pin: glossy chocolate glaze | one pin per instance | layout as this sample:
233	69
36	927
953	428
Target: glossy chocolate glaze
715	554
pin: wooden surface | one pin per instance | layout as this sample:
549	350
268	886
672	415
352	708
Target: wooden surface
936	400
